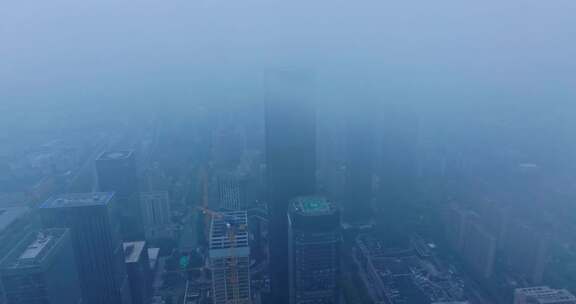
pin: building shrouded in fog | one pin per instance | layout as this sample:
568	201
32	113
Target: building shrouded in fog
360	137
95	234
290	161
314	251
117	173
40	268
138	271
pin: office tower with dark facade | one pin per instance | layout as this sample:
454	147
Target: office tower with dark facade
290	160
360	136
95	234
138	270
117	173
397	170
41	269
314	251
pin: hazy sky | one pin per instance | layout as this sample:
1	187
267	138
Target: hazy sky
434	52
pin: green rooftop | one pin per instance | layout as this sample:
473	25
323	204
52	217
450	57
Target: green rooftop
312	205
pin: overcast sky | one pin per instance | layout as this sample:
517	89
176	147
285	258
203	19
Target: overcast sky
435	52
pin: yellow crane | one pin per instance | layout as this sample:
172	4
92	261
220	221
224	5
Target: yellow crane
232	229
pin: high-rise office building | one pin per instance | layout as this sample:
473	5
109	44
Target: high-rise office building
156	215
469	237
360	138
314	251
40	268
117	173
229	254
138	270
290	161
232	192
527	250
398	164
95	234
543	295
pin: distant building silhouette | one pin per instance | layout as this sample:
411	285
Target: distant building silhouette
41	269
360	141
156	215
314	251
117	173
527	251
290	161
95	235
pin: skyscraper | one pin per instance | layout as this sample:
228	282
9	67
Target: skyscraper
360	138
314	251
156	215
95	236
117	173
290	161
138	271
39	268
229	255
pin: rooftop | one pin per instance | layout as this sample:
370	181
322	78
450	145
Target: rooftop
220	237
78	200
32	250
545	294
312	205
115	155
133	251
10	214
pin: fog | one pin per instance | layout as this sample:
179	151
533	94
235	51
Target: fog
433	119
455	53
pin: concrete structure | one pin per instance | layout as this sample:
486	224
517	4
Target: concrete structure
468	236
229	254
527	250
314	251
40	268
156	215
290	160
95	234
479	249
543	295
232	192
139	271
117	173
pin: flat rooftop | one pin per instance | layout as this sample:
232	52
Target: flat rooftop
32	250
10	214
133	251
78	200
312	205
116	155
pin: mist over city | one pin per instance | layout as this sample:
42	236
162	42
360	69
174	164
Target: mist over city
287	152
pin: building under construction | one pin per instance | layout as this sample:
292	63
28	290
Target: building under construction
230	258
